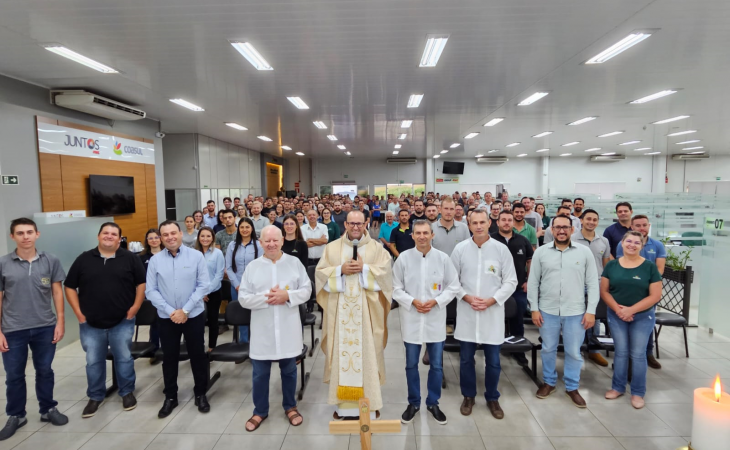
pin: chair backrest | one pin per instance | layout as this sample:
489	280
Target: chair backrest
226	290
510	308
237	315
601	310
147	314
302	313
310	271
451	309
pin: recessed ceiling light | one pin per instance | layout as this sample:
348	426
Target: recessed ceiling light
493	151
478	156
415	100
300	153
544	133
348	153
470	135
402	136
236	126
619	47
651	97
514	144
613	133
397	146
254	57
341	147
285	147
435	44
395	152
331	137
594	149
629	143
436	156
652	153
521	155
298	102
688	142
406	123
571	143
186	104
454	145
565	154
319	124
543	150
608	154
642	149
671	119
583	120
693	148
264	138
533	98
81	59
444	151
680	133
695	153
494	122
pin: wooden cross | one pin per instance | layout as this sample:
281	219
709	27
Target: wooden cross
364	427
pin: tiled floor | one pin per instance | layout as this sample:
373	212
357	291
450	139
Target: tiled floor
529	423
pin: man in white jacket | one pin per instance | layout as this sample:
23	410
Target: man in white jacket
487	275
424	282
273	287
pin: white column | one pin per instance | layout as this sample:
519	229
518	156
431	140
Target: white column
545	177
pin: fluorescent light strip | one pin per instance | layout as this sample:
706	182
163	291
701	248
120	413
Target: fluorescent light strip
652	153
236	126
406	123
341	147
285	147
680	133
300	153
619	47
514	144
478	156
348	153
319	124
642	149
671	119
543	150
565	154
532	99
594	149
186	104
264	138
544	133
651	97
494	122
444	151
402	136
415	100
81	59
470	135
693	148
608	154
688	142
398	146
493	151
629	143
331	137
583	120
571	143
436	156
395	152
454	145
613	133
252	55
521	155
435	44
298	102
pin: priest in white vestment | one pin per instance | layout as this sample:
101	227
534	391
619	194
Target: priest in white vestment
355	294
273	287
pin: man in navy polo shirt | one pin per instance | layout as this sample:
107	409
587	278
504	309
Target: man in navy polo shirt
400	237
616	231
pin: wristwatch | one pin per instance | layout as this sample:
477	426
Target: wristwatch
185	312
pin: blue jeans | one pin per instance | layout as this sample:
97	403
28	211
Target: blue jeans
16	358
435	372
468	373
629	342
261	375
96	343
573	337
243	329
517	324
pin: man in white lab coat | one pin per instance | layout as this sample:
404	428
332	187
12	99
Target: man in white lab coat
424	282
273	287
487	275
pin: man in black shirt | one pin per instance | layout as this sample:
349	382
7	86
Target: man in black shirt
495	209
400	238
521	250
419	212
110	282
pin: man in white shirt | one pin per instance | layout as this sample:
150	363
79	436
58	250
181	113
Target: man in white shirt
424	282
273	287
487	275
210	219
259	221
316	235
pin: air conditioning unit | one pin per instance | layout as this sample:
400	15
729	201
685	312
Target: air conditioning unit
688	157
95	105
611	158
401	160
493	160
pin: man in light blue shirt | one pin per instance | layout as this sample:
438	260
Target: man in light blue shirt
210	218
177	280
386	228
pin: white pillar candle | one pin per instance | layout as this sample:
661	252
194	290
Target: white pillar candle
710	421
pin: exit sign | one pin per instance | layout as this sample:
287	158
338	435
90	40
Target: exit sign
10	180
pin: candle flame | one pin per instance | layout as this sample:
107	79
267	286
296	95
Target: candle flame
718	389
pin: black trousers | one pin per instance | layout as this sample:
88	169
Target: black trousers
214	306
194	332
313	261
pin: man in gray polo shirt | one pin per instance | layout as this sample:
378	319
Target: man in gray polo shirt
29	281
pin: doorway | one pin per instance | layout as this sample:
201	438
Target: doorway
274	179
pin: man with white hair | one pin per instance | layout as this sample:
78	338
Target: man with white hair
386	228
273	287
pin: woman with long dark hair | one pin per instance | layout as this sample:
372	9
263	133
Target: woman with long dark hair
540	209
294	243
241	252
219	226
152	246
198	218
332	228
216	264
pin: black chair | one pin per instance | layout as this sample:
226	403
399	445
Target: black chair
225	297
670	319
525	345
451	344
235	351
146	316
593	342
303	356
313	298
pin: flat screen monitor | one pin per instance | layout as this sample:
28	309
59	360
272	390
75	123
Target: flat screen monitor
453	168
111	195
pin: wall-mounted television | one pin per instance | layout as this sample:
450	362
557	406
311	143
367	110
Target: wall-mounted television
453	168
111	195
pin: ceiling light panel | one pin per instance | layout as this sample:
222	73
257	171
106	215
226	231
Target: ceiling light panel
319	124
186	104
493	151
406	123
543	134
454	145
252	55
613	133
415	100
435	44
543	150
436	156
471	135
444	151
236	126
298	102
594	149
331	137
642	149
521	155
285	147
300	153
693	148
619	47
629	143
398	146
264	138
652	153
680	133
478	156
608	154
565	154
514	144
494	122
402	136
395	152
348	153
688	142
571	143
583	120
671	119
79	58
533	98
655	96
341	147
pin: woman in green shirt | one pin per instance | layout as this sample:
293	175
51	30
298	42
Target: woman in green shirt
332	227
630	286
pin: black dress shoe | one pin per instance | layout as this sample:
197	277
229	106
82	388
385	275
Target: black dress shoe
167	408
201	402
409	414
438	416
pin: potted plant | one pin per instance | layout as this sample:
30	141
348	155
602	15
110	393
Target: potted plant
676	264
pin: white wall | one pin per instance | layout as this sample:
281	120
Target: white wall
298	170
523	175
565	172
365	172
682	172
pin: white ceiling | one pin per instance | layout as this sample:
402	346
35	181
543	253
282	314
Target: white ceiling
355	63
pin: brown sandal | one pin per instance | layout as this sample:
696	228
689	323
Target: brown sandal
257	423
293	416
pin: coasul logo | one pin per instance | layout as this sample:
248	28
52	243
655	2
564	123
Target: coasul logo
133	150
117	148
80	141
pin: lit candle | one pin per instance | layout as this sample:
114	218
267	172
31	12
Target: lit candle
711	419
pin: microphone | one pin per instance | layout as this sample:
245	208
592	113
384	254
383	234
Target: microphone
354	249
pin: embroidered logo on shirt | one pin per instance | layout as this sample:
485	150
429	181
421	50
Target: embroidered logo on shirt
45	281
636	277
650	250
286	287
436	287
519	252
492	269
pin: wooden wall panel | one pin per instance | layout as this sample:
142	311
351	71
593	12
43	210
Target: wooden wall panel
49	166
152	219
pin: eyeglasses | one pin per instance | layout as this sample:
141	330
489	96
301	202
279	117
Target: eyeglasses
356	224
561	228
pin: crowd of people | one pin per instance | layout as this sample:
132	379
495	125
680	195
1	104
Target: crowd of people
372	254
